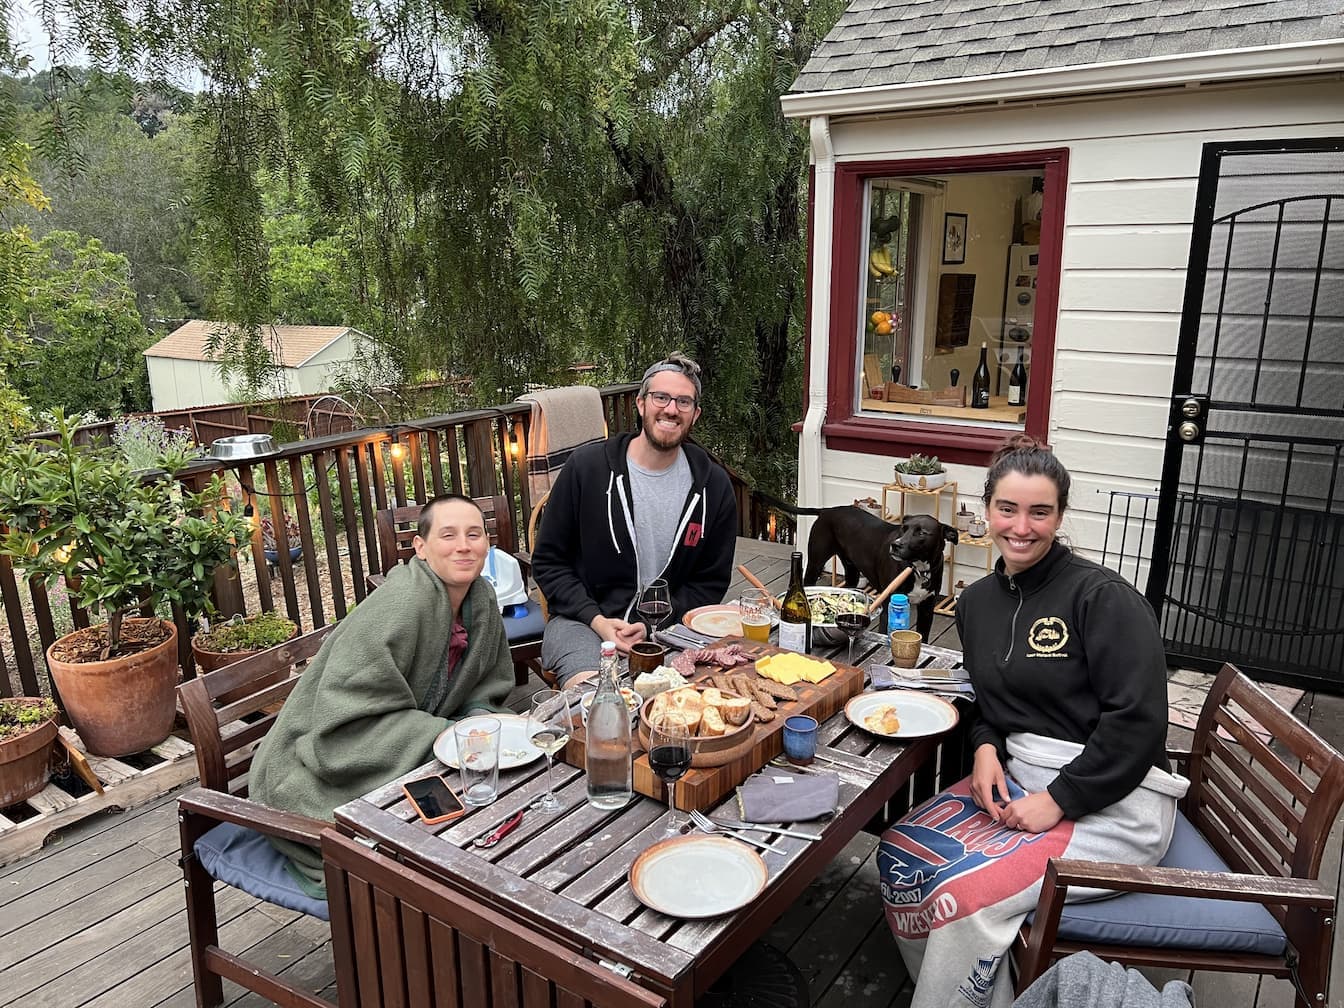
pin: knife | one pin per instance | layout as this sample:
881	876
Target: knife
762	828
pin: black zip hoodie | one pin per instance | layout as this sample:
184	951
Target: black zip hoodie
1068	649
585	562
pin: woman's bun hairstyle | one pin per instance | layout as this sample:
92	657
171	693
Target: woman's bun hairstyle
1022	453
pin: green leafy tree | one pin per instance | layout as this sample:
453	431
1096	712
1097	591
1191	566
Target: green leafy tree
523	184
84	337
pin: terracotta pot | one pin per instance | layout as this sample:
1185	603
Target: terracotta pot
25	763
122	705
208	661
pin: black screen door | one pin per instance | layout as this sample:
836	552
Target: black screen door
1248	559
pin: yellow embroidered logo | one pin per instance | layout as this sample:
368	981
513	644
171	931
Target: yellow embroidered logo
1048	634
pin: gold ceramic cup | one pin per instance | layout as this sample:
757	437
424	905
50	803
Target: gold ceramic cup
646	656
905	648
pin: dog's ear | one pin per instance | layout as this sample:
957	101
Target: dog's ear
951	534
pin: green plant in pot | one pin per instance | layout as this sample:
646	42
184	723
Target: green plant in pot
921	472
225	643
27	733
121	542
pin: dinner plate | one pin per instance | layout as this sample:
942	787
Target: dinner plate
920	715
697	876
515	744
719	620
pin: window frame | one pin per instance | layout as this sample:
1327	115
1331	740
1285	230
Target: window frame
844	428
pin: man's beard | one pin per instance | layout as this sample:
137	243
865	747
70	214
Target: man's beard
659	440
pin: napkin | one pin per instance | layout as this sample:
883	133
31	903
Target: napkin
780	796
684	638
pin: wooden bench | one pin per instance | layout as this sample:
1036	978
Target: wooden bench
1265	808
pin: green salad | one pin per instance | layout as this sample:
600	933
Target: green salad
827	606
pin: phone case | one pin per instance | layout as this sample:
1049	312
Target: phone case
457	811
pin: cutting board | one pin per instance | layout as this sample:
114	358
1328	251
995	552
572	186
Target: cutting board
702	787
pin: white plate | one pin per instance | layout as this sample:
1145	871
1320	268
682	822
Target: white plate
919	714
515	744
719	620
697	876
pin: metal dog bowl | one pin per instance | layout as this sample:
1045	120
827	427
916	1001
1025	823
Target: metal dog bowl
242	446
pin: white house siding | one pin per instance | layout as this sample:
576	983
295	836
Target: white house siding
182	384
1133	171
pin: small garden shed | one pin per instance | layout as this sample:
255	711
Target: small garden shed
1142	203
182	373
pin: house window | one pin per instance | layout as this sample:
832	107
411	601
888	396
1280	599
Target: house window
935	264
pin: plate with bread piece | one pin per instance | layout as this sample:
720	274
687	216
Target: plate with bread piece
903	716
694	877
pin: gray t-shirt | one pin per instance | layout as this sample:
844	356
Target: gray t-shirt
658	498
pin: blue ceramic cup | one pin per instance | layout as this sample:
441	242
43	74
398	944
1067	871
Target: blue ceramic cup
800	739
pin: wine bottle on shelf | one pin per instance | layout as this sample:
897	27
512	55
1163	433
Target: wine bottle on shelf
1017	382
980	380
795	613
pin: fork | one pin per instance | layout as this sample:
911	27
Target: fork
709	826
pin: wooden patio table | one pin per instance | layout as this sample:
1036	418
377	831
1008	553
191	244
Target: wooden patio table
564	876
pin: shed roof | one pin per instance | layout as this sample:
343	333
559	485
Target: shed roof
292	345
879	43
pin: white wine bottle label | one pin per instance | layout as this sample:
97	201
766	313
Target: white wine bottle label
1014	395
793	636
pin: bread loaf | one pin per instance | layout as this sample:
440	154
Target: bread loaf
711	723
735	710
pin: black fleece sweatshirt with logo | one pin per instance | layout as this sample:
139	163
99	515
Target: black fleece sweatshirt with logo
585	562
1068	649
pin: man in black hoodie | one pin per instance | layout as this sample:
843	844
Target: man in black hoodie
627	511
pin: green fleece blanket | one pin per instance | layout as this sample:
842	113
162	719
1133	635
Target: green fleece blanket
370	704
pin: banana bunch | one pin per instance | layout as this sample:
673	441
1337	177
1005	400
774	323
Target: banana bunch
879	263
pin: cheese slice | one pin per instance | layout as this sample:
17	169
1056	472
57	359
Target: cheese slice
789	667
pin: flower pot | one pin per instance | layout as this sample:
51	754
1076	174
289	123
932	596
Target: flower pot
927	482
207	660
125	704
25	762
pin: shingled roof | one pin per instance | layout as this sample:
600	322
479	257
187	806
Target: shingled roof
891	42
293	345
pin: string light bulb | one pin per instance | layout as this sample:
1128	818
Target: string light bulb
513	440
250	515
398	450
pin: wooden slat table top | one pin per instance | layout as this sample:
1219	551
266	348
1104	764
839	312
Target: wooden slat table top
565	874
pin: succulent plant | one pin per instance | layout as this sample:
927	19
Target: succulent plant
920	465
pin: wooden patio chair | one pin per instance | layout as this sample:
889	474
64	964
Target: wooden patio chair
396	533
223	835
400	937
1238	890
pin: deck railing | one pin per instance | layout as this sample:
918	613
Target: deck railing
328	490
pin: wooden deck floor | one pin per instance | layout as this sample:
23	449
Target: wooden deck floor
96	918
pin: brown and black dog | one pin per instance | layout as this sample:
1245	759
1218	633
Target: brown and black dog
878	550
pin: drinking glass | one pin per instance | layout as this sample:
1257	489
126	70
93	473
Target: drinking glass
478	757
669	758
550	722
655	605
853	624
756	610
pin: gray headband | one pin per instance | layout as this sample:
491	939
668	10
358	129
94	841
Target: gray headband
670	366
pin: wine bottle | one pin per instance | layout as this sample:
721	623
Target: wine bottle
1017	382
980	381
795	614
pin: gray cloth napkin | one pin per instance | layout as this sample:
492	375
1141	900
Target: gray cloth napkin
779	796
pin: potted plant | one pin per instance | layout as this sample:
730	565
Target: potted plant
121	542
27	733
225	643
921	472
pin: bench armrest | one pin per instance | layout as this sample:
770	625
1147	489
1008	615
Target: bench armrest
216	807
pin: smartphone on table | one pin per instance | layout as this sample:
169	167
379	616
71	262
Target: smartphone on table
433	800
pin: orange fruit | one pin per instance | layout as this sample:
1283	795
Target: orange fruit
878	317
884	328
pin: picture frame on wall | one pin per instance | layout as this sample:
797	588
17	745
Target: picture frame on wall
954	239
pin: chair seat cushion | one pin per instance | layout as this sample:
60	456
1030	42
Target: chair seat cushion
245	859
524	623
1176	922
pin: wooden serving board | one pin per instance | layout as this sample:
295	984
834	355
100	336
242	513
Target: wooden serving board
701	787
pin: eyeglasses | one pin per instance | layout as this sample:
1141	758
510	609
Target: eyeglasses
684	403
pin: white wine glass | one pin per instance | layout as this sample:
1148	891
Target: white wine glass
669	758
655	605
550	722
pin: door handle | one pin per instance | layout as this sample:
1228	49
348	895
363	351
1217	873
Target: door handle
1189	431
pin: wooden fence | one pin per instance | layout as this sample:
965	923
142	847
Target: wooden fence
328	490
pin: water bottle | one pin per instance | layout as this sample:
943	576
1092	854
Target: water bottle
898	613
607	758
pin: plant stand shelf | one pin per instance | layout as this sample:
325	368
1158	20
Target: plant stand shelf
25	827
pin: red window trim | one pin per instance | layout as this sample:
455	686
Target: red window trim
843	429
